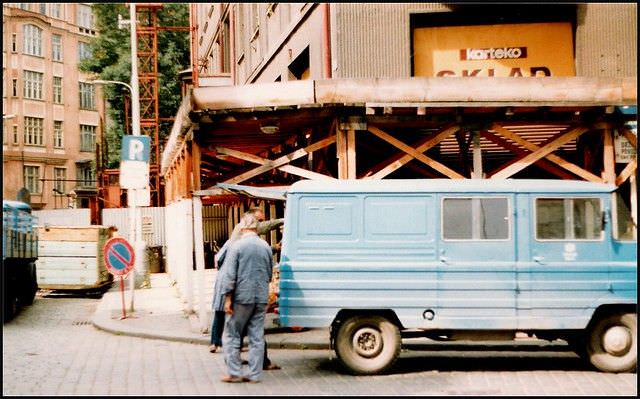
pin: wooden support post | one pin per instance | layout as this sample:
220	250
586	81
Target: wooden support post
195	165
477	157
609	173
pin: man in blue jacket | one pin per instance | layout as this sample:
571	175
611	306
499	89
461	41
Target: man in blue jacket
245	286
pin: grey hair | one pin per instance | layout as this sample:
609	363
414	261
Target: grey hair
249	221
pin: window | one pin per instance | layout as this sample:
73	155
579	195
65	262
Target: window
475	219
14	43
32	179
42	8
15	134
225	45
84	51
57	90
56	10
568	219
85	175
87	96
24	6
623	226
56	47
59	176
58	134
14	90
85	16
87	137
32	40
33	85
33	132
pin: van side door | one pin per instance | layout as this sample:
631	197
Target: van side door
567	271
476	277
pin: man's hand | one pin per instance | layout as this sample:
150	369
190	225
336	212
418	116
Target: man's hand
228	304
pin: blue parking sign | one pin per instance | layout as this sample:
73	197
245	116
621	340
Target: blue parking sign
135	148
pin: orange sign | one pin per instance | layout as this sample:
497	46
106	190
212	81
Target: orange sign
529	50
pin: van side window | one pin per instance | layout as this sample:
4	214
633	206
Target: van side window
568	219
623	226
475	219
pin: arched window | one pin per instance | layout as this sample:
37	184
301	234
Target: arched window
32	40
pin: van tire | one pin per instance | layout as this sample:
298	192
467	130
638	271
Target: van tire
368	344
612	343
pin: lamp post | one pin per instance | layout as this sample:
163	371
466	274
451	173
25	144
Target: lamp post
135	223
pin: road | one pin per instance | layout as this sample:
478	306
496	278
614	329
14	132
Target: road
51	348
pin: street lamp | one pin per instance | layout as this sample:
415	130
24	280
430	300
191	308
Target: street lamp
116	82
133	195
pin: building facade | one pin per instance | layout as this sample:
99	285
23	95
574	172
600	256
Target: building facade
268	42
52	114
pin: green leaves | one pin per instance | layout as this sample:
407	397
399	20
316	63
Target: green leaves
111	60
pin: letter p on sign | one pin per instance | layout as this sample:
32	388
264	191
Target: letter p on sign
136	148
134	162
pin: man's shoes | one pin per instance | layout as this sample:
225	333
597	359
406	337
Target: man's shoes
272	366
213	348
249	380
232	379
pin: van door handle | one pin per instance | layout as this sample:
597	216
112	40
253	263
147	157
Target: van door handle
443	259
538	259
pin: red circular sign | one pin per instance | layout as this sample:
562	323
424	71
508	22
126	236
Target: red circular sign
119	256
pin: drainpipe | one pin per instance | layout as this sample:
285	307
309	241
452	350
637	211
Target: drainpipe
326	41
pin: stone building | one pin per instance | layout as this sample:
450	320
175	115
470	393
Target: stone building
52	114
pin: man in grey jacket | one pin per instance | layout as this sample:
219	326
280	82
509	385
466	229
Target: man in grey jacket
245	286
217	325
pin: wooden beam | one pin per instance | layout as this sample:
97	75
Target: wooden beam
294	170
540	153
196	159
609	162
265	164
433	141
573	168
627	172
452	174
542	163
351	154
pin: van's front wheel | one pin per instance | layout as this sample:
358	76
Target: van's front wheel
612	343
368	344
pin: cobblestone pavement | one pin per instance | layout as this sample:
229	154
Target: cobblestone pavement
51	348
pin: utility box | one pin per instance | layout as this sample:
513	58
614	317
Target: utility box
71	257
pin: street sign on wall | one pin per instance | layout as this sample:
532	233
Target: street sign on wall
134	162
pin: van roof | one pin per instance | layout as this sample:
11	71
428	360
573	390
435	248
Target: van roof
450	185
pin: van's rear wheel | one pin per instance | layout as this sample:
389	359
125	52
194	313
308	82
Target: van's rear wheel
612	343
368	344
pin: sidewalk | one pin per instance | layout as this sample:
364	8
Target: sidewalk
159	314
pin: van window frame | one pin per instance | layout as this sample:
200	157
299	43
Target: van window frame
564	198
509	216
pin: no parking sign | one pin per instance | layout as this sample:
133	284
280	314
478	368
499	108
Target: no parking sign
119	256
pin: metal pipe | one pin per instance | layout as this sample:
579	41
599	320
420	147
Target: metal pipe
326	41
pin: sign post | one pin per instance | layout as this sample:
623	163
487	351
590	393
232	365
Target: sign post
119	259
134	176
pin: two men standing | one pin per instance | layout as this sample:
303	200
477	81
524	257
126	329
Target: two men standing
245	286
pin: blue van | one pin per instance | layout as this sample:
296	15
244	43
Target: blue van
379	260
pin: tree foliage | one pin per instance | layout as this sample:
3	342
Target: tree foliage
111	60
